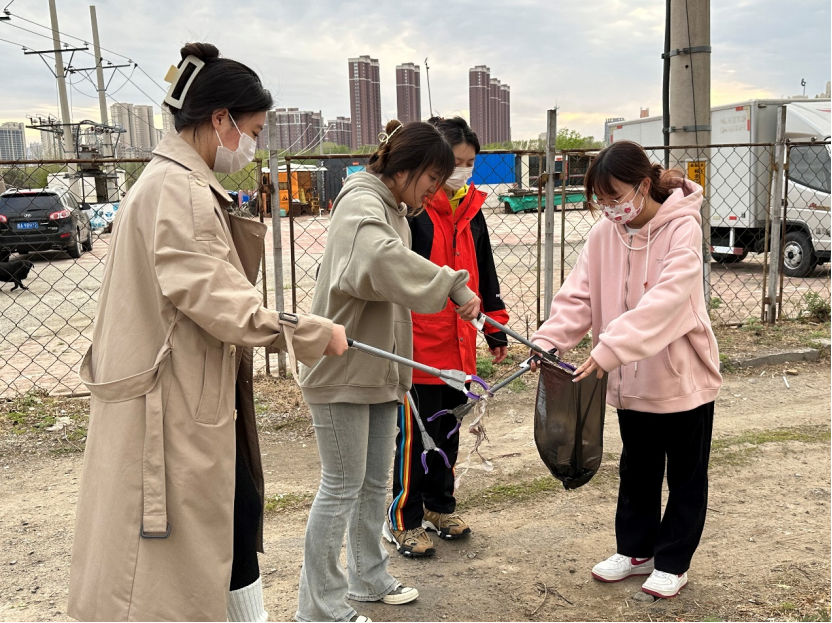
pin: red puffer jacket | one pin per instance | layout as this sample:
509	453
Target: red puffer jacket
458	239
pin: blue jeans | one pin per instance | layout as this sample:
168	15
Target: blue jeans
356	444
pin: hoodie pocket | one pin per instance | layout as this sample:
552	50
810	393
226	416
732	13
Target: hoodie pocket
678	360
668	362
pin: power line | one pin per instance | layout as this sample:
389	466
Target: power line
129	79
21	46
125	82
312	143
124	107
164	90
308	125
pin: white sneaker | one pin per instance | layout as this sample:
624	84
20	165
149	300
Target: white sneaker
618	567
666	585
400	595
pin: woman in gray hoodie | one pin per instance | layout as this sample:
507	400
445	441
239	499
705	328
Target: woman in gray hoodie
369	281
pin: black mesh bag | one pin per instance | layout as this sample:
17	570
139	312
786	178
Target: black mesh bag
569	424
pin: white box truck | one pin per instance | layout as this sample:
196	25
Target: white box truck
739	178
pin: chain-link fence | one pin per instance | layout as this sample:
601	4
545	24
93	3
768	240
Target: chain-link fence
55	227
55	240
512	213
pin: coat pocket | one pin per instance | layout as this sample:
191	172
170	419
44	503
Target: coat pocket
214	379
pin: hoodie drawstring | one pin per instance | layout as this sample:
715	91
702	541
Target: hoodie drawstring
646	259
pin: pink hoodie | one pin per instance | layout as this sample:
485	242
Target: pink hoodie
642	295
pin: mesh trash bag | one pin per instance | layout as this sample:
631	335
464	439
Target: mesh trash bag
569	424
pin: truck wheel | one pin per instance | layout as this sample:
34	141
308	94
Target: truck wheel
798	255
728	258
507	207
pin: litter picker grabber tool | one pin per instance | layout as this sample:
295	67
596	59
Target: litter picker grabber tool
462	410
453	378
428	444
482	320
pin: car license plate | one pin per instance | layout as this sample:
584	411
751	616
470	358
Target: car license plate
28	225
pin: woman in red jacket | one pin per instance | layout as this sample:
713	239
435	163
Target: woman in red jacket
451	231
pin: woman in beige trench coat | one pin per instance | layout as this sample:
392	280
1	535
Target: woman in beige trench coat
172	461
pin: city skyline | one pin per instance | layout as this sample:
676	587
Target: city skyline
753	55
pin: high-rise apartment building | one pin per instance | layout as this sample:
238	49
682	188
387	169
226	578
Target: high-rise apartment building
140	136
51	145
408	93
489	102
167	122
479	80
505	112
365	100
12	141
339	131
298	129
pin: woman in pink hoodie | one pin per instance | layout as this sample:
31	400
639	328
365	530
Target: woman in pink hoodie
638	285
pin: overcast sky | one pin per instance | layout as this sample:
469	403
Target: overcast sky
594	59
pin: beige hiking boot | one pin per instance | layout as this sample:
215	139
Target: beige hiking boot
411	543
448	526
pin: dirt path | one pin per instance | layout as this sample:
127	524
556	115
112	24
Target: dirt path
765	551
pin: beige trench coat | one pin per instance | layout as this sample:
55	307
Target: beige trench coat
177	317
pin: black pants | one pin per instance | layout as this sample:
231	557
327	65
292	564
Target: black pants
683	442
412	488
247	509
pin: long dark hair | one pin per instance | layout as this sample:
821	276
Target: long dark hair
415	148
627	161
456	131
222	83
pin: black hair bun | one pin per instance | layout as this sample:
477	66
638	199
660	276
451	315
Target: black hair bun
203	51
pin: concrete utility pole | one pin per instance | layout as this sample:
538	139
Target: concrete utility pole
99	75
549	218
690	104
690	74
69	147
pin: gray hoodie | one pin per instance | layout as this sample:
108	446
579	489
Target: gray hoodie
369	281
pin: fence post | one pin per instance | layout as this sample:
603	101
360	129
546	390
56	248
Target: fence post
776	210
705	212
549	232
277	230
564	180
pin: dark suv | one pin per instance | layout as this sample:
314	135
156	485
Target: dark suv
42	220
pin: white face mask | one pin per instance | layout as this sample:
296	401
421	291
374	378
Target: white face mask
459	177
227	161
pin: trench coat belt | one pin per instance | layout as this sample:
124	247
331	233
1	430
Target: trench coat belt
289	323
154	501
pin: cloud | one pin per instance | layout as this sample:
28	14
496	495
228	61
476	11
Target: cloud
592	59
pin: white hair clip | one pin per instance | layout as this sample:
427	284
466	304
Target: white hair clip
383	137
174	76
